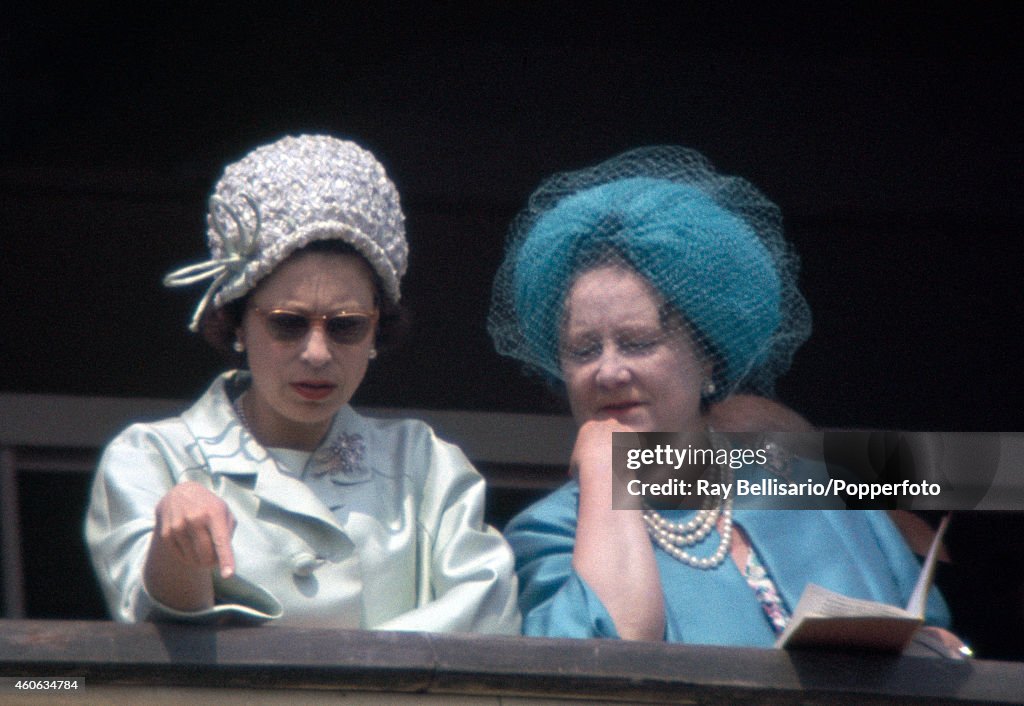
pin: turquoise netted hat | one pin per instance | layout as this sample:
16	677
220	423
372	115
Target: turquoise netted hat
710	245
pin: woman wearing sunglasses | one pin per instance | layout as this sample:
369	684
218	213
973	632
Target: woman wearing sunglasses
271	498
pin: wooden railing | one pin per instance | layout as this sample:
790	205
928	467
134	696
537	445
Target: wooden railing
182	663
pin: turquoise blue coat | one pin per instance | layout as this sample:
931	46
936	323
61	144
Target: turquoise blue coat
858	553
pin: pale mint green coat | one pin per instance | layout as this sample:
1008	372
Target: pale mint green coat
397	542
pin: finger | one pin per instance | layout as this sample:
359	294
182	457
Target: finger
202	547
185	549
221	530
176	533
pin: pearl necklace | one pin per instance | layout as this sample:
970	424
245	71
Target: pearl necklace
343	454
673	536
240	411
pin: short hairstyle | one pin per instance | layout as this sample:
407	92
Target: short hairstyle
219	325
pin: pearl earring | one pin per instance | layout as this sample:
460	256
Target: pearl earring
238	347
373	353
708	388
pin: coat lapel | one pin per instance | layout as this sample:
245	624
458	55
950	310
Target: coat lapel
228	449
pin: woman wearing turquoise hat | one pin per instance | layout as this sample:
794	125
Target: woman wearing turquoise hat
652	287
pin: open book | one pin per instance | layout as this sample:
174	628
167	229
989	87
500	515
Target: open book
824	618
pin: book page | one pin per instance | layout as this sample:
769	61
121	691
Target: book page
866	632
826	618
919	598
818	602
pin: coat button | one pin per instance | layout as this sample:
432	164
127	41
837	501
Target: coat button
304	564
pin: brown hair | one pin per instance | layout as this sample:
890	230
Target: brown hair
218	326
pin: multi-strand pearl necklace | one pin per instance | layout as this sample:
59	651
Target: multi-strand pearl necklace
673	536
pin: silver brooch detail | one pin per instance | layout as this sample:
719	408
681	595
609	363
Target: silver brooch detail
343	454
778	460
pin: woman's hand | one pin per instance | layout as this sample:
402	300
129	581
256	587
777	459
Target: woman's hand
940	641
593	448
192	537
613	553
196	526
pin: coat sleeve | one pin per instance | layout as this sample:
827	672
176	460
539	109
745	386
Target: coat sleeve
136	470
554	599
466	570
131	478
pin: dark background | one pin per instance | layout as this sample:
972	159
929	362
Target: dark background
888	134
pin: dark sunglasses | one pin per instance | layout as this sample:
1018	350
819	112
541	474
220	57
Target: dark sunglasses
342	327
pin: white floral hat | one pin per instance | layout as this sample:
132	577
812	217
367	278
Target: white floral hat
285	195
